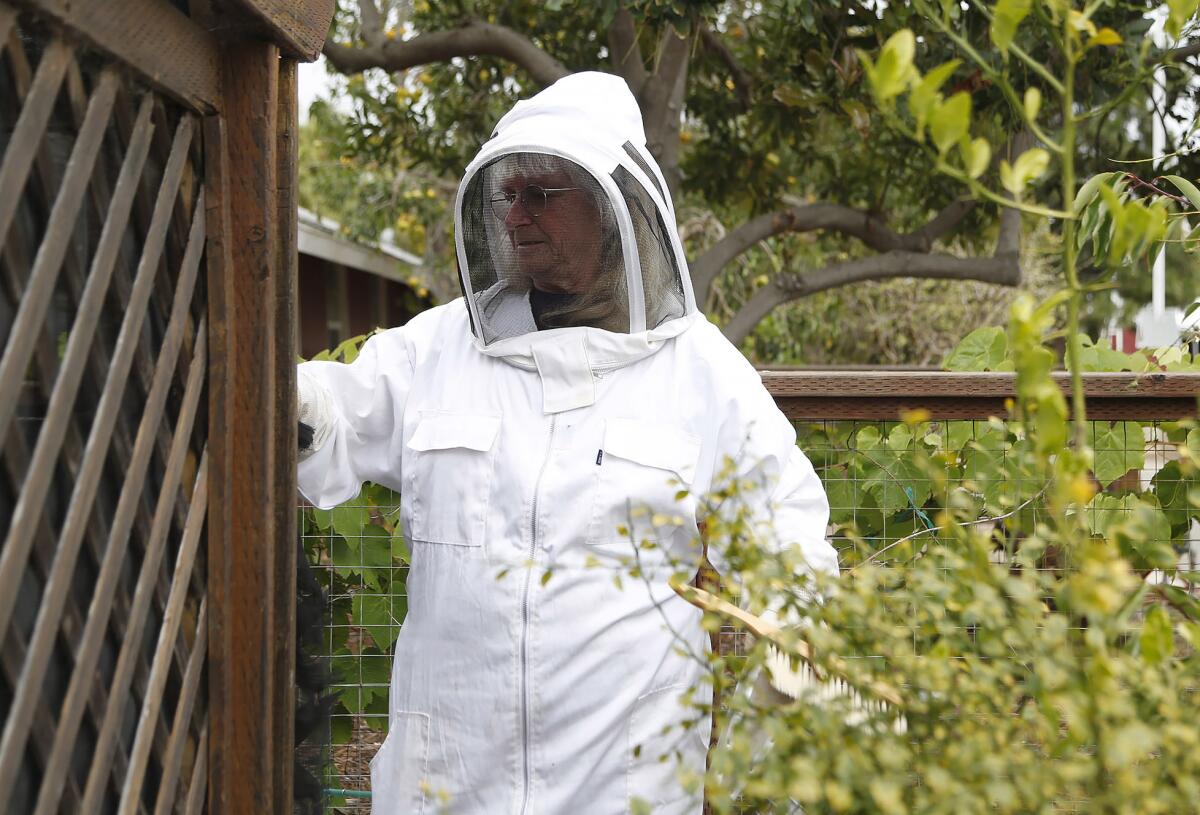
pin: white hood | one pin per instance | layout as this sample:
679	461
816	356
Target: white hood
592	121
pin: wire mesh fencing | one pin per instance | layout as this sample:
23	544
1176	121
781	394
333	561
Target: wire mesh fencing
886	481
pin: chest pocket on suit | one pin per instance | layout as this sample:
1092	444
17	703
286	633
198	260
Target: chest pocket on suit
644	466
448	477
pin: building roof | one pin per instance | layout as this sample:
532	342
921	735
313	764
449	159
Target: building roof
322	238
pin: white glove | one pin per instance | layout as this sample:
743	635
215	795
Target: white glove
316	411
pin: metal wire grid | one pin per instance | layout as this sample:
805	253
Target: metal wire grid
856	518
356	579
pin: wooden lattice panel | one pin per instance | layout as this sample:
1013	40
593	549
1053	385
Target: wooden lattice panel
103	466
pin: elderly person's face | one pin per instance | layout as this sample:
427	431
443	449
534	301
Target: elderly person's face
554	230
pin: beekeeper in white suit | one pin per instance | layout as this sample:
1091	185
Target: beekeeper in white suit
521	424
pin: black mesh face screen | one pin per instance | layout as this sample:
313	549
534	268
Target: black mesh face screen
632	152
662	283
533	221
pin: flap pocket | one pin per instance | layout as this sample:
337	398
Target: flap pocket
447	431
654	445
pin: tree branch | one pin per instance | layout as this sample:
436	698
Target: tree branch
471	39
1003	270
947	220
370	24
1179	53
624	51
743	83
807	218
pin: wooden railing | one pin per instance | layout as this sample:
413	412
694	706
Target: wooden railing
883	396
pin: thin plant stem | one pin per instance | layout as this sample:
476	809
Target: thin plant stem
1074	350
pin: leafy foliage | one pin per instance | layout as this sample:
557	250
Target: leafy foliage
783	113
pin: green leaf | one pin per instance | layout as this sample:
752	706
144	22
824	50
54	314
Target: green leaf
894	70
924	96
1144	537
1183	601
323	518
341	730
950	120
797	96
1028	166
1157	639
1170	486
1179	12
981	350
976	154
1105	36
1119	447
1089	191
1006	18
867	439
348	520
1033	103
374	613
1190	191
1105	511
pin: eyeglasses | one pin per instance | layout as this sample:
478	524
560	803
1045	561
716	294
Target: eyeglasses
533	198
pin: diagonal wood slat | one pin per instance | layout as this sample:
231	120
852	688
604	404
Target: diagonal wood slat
8	18
27	135
13	558
173	756
199	788
134	778
186	557
101	605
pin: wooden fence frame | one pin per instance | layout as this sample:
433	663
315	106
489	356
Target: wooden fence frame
233	64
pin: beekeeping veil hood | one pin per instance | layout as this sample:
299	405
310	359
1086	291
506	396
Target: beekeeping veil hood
567	247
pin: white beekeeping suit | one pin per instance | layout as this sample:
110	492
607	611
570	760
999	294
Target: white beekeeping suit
574	381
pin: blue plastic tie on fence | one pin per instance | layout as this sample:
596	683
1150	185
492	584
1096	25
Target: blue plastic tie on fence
348	793
920	513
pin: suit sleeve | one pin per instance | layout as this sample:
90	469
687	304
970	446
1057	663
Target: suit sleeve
780	493
363	409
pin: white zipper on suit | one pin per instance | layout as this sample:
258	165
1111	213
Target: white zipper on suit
524	678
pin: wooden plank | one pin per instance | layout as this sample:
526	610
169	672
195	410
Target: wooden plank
285	489
945	408
221	284
298	27
26	137
953	384
244	738
168	50
165	800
